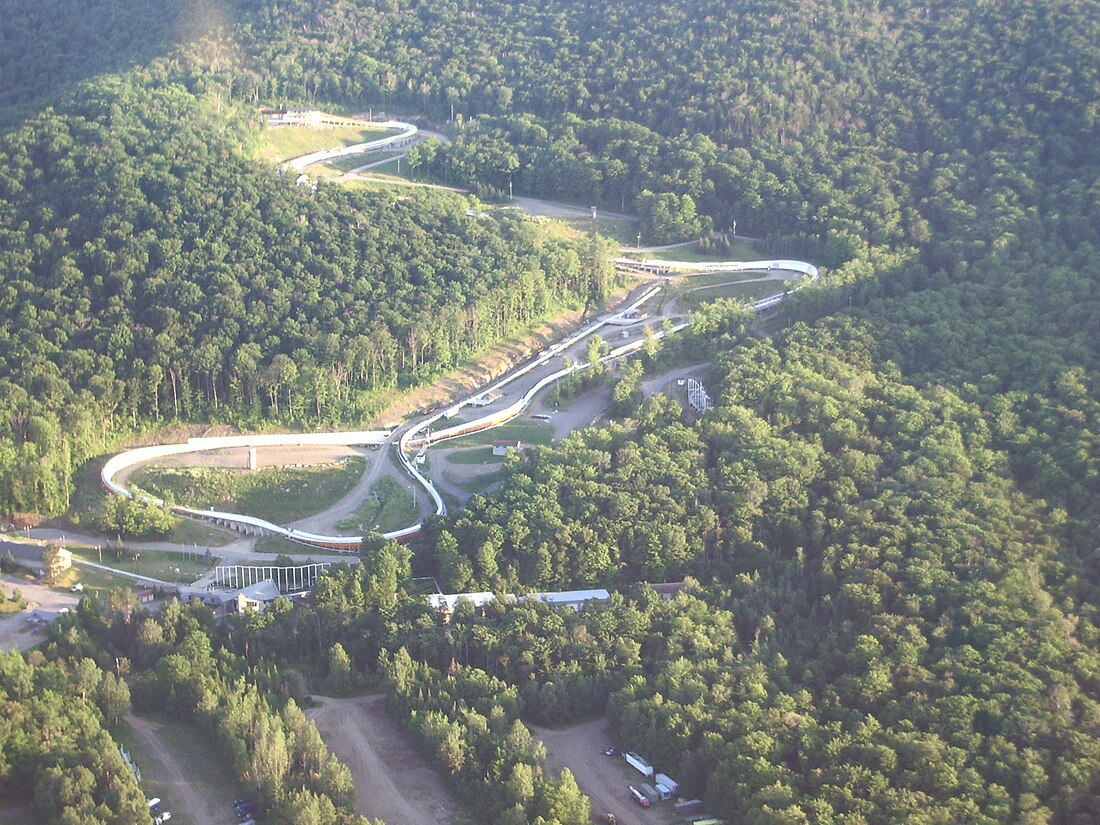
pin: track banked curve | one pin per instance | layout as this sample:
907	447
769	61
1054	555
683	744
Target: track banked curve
419	436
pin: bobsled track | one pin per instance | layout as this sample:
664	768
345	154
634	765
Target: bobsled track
404	136
415	439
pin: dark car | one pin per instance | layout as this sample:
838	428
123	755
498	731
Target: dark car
244	808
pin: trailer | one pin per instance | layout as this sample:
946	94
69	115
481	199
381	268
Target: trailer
666	780
638	763
686	807
650	792
662	791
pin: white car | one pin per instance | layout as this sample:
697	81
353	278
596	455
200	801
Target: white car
77	588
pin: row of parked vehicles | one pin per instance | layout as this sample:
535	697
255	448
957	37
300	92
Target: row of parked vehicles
659	787
245	809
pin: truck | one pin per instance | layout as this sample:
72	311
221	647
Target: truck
670	783
638	763
639	797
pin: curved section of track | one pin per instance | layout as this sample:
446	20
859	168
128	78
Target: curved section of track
407	133
419	436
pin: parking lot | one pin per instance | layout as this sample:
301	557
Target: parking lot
23	630
604	779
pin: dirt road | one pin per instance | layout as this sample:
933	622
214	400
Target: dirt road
604	779
378	464
201	807
393	782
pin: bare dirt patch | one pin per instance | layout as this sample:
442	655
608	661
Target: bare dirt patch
187	799
16	633
393	782
604	779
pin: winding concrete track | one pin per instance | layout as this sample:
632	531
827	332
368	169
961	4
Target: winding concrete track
406	132
500	402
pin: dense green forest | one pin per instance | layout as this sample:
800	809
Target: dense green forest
152	273
887	524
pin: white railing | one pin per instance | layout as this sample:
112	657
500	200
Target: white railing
420	435
407	133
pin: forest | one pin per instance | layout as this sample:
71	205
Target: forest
885	528
153	274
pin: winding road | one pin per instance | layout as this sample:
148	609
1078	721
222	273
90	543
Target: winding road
510	395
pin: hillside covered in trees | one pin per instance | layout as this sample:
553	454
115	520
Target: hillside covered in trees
887	524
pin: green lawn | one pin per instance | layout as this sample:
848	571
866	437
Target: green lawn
284	142
526	431
740	292
346	164
742	251
199	533
476	484
204	766
278	494
687	282
279	545
474	456
389	507
158	564
98	583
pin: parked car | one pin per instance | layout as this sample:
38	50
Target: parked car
244	808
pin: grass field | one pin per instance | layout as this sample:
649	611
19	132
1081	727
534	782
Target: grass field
277	545
98	583
285	142
189	531
526	431
742	250
278	494
389	507
182	568
346	164
740	292
686	282
474	456
476	484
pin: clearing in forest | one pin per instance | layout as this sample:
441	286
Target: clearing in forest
393	782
